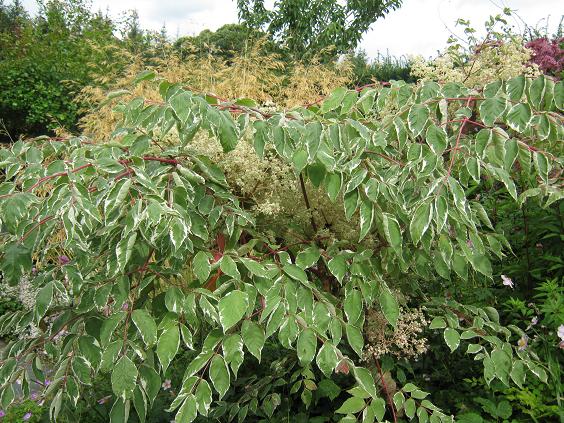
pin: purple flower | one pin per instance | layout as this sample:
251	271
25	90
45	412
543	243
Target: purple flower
547	54
523	342
2	413
167	384
27	416
125	307
507	281
47	382
63	260
104	399
34	396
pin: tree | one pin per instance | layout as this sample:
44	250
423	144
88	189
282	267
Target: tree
308	26
228	41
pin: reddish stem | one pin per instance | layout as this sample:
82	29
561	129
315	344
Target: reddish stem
385	387
390	159
37	225
55	175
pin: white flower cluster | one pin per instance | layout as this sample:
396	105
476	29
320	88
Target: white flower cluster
273	190
404	342
493	61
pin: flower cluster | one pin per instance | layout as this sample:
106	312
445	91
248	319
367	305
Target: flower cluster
405	341
493	61
547	55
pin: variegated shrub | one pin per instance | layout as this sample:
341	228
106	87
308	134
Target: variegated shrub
141	252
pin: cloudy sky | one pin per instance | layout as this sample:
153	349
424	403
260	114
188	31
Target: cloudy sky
418	27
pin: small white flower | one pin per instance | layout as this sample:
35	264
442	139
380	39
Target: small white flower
534	320
166	384
507	281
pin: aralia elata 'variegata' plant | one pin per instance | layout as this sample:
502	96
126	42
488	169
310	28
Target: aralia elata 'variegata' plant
163	257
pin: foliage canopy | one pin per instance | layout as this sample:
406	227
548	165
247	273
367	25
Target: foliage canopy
310	26
141	252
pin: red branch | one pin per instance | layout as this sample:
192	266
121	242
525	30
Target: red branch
385	387
390	159
455	149
37	225
47	178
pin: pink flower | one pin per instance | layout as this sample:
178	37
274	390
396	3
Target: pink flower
2	413
507	281
561	332
125	307
104	399
27	416
167	384
63	260
523	342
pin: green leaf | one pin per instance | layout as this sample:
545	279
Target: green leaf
436	138
515	88
233	351
253	337
542	165
519	116
334	183
417	118
150	382
232	308
124	249
43	301
518	373
353	305
365	380
366	217
201	266
351	406
219	375
491	109
145	325
188	411
16	261
109	326
306	346
355	338
421	221
438	323
203	397
334	100
295	272
174	299
327	358
389	306
308	257
124	378
300	160
167	347
254	267
452	338
228	266
392	232
409	408
481	264
338	267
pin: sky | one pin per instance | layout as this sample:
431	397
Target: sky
419	27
